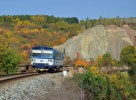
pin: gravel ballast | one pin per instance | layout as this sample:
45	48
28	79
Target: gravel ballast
33	88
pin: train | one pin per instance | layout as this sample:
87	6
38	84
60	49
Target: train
46	58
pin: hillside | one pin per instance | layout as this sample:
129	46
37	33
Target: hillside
99	40
25	31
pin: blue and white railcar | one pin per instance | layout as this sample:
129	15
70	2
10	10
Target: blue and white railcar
43	57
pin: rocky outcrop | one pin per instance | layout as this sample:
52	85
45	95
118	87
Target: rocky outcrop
97	41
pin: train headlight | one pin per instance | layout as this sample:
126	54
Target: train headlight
33	60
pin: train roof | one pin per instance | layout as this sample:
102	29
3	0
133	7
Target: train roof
42	47
45	47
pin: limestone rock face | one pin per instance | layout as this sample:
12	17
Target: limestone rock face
97	41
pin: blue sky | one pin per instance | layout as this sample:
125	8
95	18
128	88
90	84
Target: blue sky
81	9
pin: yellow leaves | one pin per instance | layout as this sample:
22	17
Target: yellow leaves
62	25
42	30
16	20
113	62
25	54
38	19
49	34
7	33
98	60
23	24
26	23
14	40
55	33
18	25
94	70
35	30
121	81
4	44
113	78
25	31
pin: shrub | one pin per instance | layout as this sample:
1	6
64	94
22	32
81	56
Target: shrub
97	85
106	61
128	55
10	61
132	71
123	84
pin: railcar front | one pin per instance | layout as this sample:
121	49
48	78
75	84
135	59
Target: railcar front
42	58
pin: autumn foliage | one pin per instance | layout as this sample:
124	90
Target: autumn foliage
79	62
23	31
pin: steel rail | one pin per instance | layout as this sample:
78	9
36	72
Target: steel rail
7	78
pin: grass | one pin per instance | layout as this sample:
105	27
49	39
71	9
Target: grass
68	90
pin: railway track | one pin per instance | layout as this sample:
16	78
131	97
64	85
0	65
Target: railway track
7	78
12	77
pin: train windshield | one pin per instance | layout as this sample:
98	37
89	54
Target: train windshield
36	54
42	54
47	55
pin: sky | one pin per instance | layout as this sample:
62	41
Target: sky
82	9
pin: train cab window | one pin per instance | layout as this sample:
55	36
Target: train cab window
47	55
36	54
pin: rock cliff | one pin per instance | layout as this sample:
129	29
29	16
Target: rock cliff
99	40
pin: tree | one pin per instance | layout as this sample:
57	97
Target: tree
79	62
4	44
128	55
99	61
9	58
87	24
71	20
62	40
10	61
82	24
106	61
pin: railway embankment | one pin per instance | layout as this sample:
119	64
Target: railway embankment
43	87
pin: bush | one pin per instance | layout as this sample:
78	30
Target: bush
10	61
128	55
132	71
98	85
106	61
123	84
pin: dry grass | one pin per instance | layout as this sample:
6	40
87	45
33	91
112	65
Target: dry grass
68	90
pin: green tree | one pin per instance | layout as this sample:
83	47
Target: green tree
82	24
106	61
99	61
4	44
128	55
87	24
10	61
9	58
